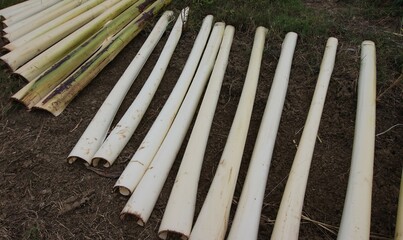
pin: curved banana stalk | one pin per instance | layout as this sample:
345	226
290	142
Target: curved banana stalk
247	217
356	218
213	218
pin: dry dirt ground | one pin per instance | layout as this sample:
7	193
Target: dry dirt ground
37	186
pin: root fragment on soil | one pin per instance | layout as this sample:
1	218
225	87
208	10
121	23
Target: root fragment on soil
334	229
77	125
75	202
105	173
395	83
322	225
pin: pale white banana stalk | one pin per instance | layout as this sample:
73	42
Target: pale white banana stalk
356	218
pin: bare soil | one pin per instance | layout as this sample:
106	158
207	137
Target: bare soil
43	197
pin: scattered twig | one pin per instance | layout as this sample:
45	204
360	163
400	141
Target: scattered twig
105	173
68	230
399	79
299	130
394	33
73	202
320	140
330	228
278	184
39	134
33	212
78	124
5	125
334	229
396	125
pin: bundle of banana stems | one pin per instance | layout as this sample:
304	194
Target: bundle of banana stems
70	42
15	9
22	11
